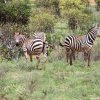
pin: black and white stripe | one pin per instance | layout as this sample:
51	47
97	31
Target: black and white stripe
83	41
42	36
33	46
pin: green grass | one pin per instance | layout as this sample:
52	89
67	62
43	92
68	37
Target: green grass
58	81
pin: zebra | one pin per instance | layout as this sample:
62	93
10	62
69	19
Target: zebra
31	46
81	44
40	35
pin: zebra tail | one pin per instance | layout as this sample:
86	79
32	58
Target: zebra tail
49	45
62	45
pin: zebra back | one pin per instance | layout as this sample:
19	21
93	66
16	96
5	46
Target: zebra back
40	35
83	42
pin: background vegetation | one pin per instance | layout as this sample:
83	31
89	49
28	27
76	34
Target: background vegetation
57	80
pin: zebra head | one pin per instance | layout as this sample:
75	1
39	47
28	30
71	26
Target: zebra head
94	31
97	28
19	39
98	31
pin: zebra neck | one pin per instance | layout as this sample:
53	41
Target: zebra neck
90	37
23	40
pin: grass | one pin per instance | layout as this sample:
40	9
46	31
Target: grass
58	81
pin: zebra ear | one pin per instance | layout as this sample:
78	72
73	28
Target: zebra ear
93	25
97	25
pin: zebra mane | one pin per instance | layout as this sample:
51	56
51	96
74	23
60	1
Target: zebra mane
90	29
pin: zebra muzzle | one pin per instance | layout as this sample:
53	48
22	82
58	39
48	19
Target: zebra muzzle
17	44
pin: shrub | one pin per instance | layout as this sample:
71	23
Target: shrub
52	5
17	12
76	13
43	22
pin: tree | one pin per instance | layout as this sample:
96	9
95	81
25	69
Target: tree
43	22
17	12
52	5
75	11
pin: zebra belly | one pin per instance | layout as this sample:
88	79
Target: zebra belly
82	49
36	51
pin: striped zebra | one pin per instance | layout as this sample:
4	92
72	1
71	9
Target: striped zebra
81	44
31	46
42	36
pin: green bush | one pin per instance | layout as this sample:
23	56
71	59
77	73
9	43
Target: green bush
43	22
17	12
76	13
52	5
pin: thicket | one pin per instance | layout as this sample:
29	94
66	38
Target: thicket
15	12
76	13
51	5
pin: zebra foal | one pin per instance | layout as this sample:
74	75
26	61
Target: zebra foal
31	46
81	44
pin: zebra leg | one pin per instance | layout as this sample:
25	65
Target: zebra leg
89	55
73	54
26	55
70	57
46	58
38	61
45	51
67	54
31	57
76	55
85	55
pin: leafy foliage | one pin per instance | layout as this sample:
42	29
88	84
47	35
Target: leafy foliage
52	5
76	13
43	22
17	12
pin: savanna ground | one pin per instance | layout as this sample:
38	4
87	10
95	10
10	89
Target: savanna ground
57	80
